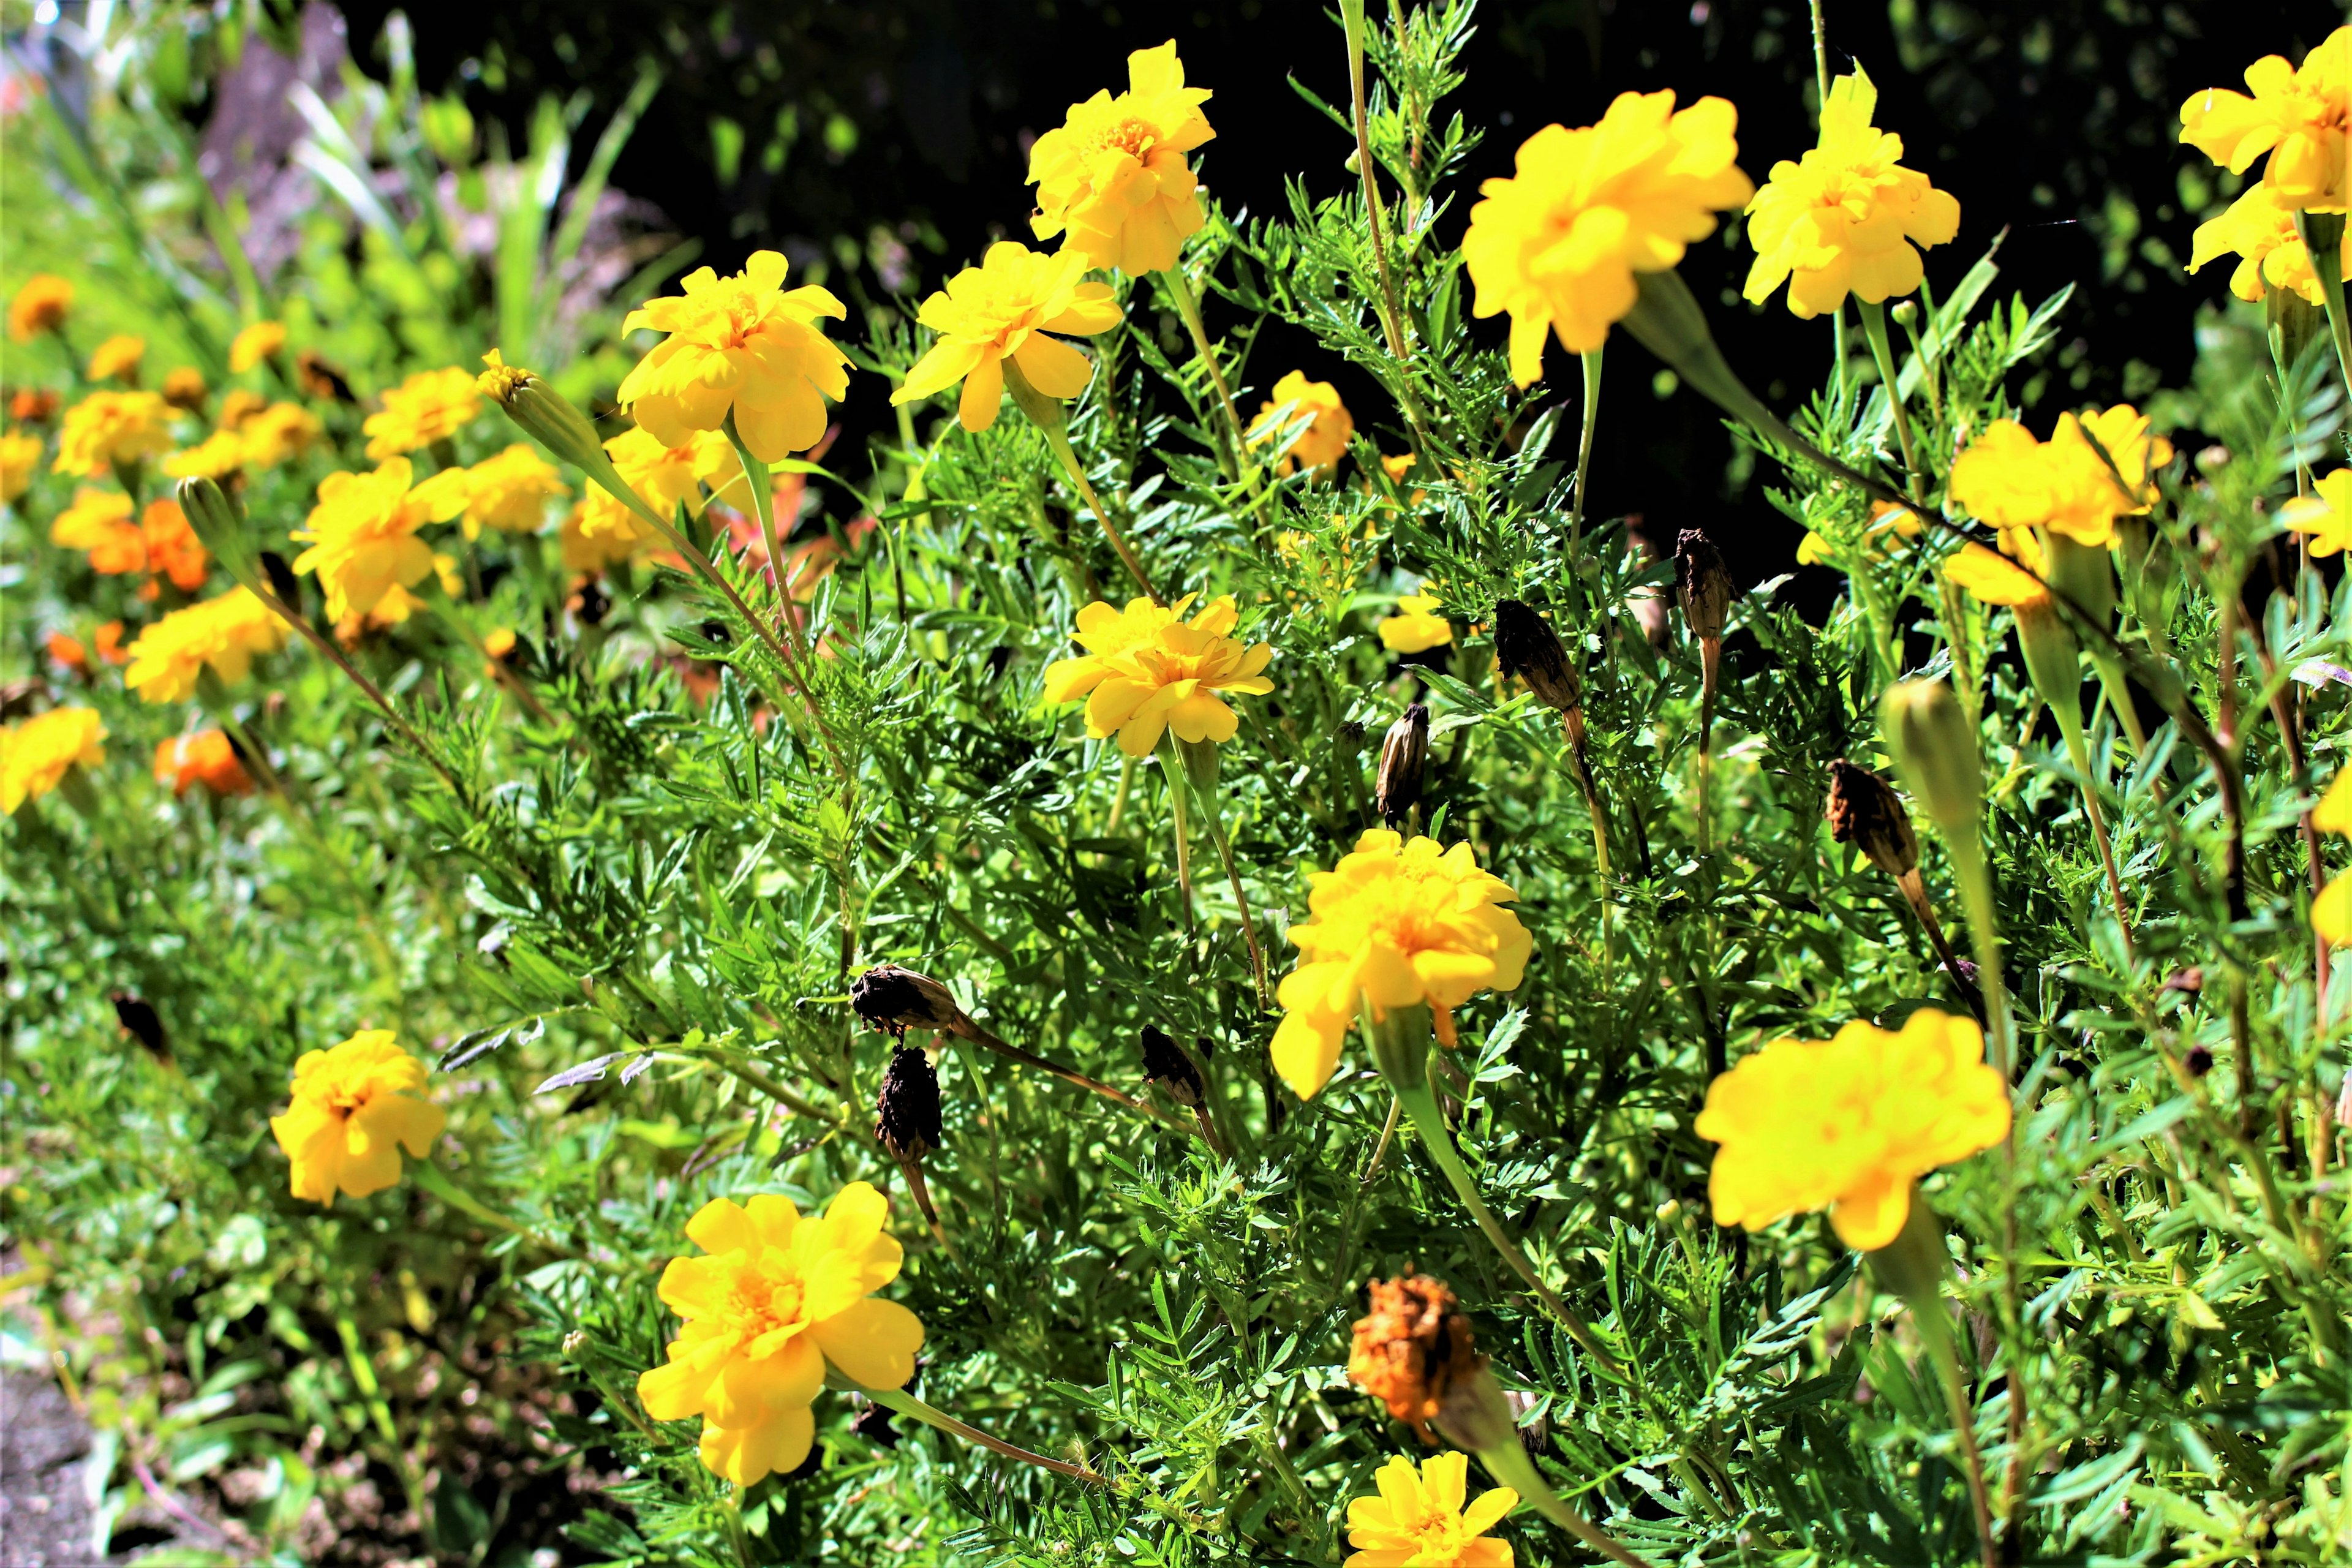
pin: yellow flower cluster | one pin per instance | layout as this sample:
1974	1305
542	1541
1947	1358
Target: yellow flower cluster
1847	216
1556	245
774	1301
35	754
224	633
111	427
2009	480
431	406
2331	912
1113	178
1421	1518
355	1107
737	346
509	492
2301	117
1849	1124
1307	418
1001	310
362	533
1397	923
1148	670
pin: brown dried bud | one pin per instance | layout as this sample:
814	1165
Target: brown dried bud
1411	1347
1165	1064
320	379
140	1021
1701	585
1865	811
2189	981
907	1111
2200	1060
894	1000
1527	646
1403	756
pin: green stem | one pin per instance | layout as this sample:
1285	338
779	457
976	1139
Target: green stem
431	1178
901	1402
1975	897
1874	326
1045	412
1232	444
1584	454
1509	1465
1913	1265
2323	236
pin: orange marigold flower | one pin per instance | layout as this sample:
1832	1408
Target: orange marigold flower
99	524
1113	176
40	306
110	427
2301	116
355	1107
204	758
1321	440
35	754
1411	1346
108	639
1147	671
174	549
737	345
67	651
431	406
184	388
1000	311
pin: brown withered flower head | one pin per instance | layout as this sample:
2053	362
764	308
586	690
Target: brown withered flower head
906	1112
1865	811
1702	584
33	405
1404	755
1410	1348
1165	1064
320	379
1527	646
894	1000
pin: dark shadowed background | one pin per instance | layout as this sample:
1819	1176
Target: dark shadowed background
887	141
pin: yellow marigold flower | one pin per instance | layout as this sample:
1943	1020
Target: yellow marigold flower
237	405
1396	923
110	427
226	632
1994	579
2331	912
254	344
1886	517
1001	310
776	1299
1418	1517
2301	117
35	754
1416	628
40	306
1148	670
184	388
1323	441
203	758
1556	245
355	1107
2262	235
362	533
585	551
663	476
1847	216
2325	515
509	492
117	358
1113	177
2009	480
1848	1124
20	458
99	524
275	434
431	406
217	456
738	343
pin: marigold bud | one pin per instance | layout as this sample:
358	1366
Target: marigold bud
575	1341
1527	647
1403	756
1936	750
906	1112
1702	584
219	525
896	999
1865	812
1165	1064
1410	1347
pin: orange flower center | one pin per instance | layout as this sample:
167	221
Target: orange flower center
1133	136
761	1302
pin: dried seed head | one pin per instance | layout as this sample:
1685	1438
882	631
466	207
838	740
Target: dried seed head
1411	1347
2200	1060
894	1000
1866	812
1165	1064
141	1021
1403	756
906	1112
1702	584
1527	646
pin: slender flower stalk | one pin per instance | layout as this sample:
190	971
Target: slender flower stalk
1197	761
1881	352
1046	414
1351	16
1913	1267
900	1402
1232	444
1592	363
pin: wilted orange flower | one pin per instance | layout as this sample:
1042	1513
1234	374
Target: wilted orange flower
1001	310
110	427
99	524
216	457
20	458
430	406
1416	628
226	632
777	1300
66	650
509	492
1418	1517
203	758
1323	440
2301	116
355	1107
1113	177
117	358
35	754
737	345
362	533
1557	245
1397	923
277	433
40	306
254	344
1849	1124
2009	480
1847	216
184	388
1150	670
1410	1346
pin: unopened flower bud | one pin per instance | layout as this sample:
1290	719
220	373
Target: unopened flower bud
1905	312
1936	750
1702	584
575	1341
906	1112
1865	812
894	1000
541	413
1410	1347
1165	1064
1527	646
1352	737
1403	757
219	526
1474	1412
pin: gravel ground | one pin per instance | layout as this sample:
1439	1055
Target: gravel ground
44	1516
